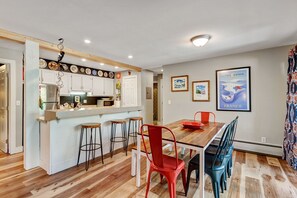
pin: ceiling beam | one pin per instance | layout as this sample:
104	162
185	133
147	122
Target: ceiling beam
53	47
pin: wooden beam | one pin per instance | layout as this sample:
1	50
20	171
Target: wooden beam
53	47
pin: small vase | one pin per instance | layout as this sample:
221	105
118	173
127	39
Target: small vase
117	103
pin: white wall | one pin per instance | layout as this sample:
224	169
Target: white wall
268	92
147	80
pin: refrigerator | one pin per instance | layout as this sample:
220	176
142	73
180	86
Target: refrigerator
4	108
49	98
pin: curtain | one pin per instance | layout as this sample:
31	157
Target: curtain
290	134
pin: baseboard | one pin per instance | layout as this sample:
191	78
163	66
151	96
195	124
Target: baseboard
17	149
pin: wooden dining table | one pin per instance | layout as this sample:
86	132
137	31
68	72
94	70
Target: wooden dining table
195	139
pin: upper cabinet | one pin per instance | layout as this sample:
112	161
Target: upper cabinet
108	87
98	87
76	82
81	83
87	83
48	77
65	89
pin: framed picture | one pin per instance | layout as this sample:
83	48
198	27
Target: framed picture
233	87
179	83
200	91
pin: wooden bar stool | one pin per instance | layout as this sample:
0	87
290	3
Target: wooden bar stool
93	144
134	126
114	138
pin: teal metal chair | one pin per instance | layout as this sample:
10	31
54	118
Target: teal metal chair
215	165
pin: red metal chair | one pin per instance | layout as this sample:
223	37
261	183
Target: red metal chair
167	166
204	118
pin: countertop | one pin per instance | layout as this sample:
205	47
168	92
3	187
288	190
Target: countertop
85	111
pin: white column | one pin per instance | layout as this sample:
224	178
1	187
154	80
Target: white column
31	91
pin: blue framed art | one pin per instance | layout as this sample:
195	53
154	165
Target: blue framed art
233	89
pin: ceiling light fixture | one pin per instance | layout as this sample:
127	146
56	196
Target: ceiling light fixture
200	40
87	41
130	56
162	70
116	67
83	60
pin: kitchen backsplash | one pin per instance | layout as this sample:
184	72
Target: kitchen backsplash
71	99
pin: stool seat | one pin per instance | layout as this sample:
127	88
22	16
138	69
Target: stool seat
90	125
118	121
136	118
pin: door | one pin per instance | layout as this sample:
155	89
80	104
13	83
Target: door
4	108
129	91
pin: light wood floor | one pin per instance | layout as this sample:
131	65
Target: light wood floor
253	176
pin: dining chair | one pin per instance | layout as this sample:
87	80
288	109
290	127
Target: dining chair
167	166
215	166
204	118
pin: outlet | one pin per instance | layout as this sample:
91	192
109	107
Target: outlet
169	102
85	101
263	139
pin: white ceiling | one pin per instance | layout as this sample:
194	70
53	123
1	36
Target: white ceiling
155	32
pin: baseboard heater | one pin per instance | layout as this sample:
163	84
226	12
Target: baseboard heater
256	143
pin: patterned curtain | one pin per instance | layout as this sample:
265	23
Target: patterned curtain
290	135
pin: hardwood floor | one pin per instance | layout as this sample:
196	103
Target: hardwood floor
253	176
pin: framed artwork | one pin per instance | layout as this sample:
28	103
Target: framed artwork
200	91
233	87
179	83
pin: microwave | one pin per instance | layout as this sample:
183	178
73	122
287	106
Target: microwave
105	103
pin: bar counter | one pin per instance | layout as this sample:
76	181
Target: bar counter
60	132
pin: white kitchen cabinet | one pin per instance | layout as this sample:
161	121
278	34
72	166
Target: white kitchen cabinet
76	82
98	86
129	91
48	77
65	90
108	87
87	83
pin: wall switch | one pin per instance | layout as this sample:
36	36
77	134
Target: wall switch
169	102
263	139
85	101
18	103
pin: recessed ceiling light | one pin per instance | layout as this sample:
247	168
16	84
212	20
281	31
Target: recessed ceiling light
83	59
130	56
162	70
116	67
200	40
87	41
101	64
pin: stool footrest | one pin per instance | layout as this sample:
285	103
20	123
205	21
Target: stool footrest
97	146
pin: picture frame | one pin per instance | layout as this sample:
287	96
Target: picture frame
201	91
179	83
233	89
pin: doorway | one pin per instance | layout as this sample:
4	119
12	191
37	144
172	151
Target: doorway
4	103
158	99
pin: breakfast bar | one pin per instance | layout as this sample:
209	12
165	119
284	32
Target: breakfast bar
60	132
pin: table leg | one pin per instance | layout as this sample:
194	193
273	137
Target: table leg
138	161
201	174
133	163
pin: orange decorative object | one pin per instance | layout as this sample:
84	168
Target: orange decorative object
192	125
118	75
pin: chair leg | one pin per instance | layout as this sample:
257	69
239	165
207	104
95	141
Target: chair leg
148	183
190	169
191	153
161	178
184	179
172	189
215	187
128	134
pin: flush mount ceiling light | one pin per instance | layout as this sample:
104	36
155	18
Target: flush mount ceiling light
200	40
116	67
87	41
101	64
130	56
83	60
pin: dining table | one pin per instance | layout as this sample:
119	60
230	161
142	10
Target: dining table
197	139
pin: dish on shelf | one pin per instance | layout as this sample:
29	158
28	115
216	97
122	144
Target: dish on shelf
42	63
82	70
53	65
73	69
94	72
88	71
65	67
192	125
100	73
105	74
111	74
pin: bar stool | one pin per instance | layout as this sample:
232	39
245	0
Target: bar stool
116	139
134	125
93	145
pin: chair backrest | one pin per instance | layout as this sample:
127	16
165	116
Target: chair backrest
155	139
223	145
204	116
233	131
